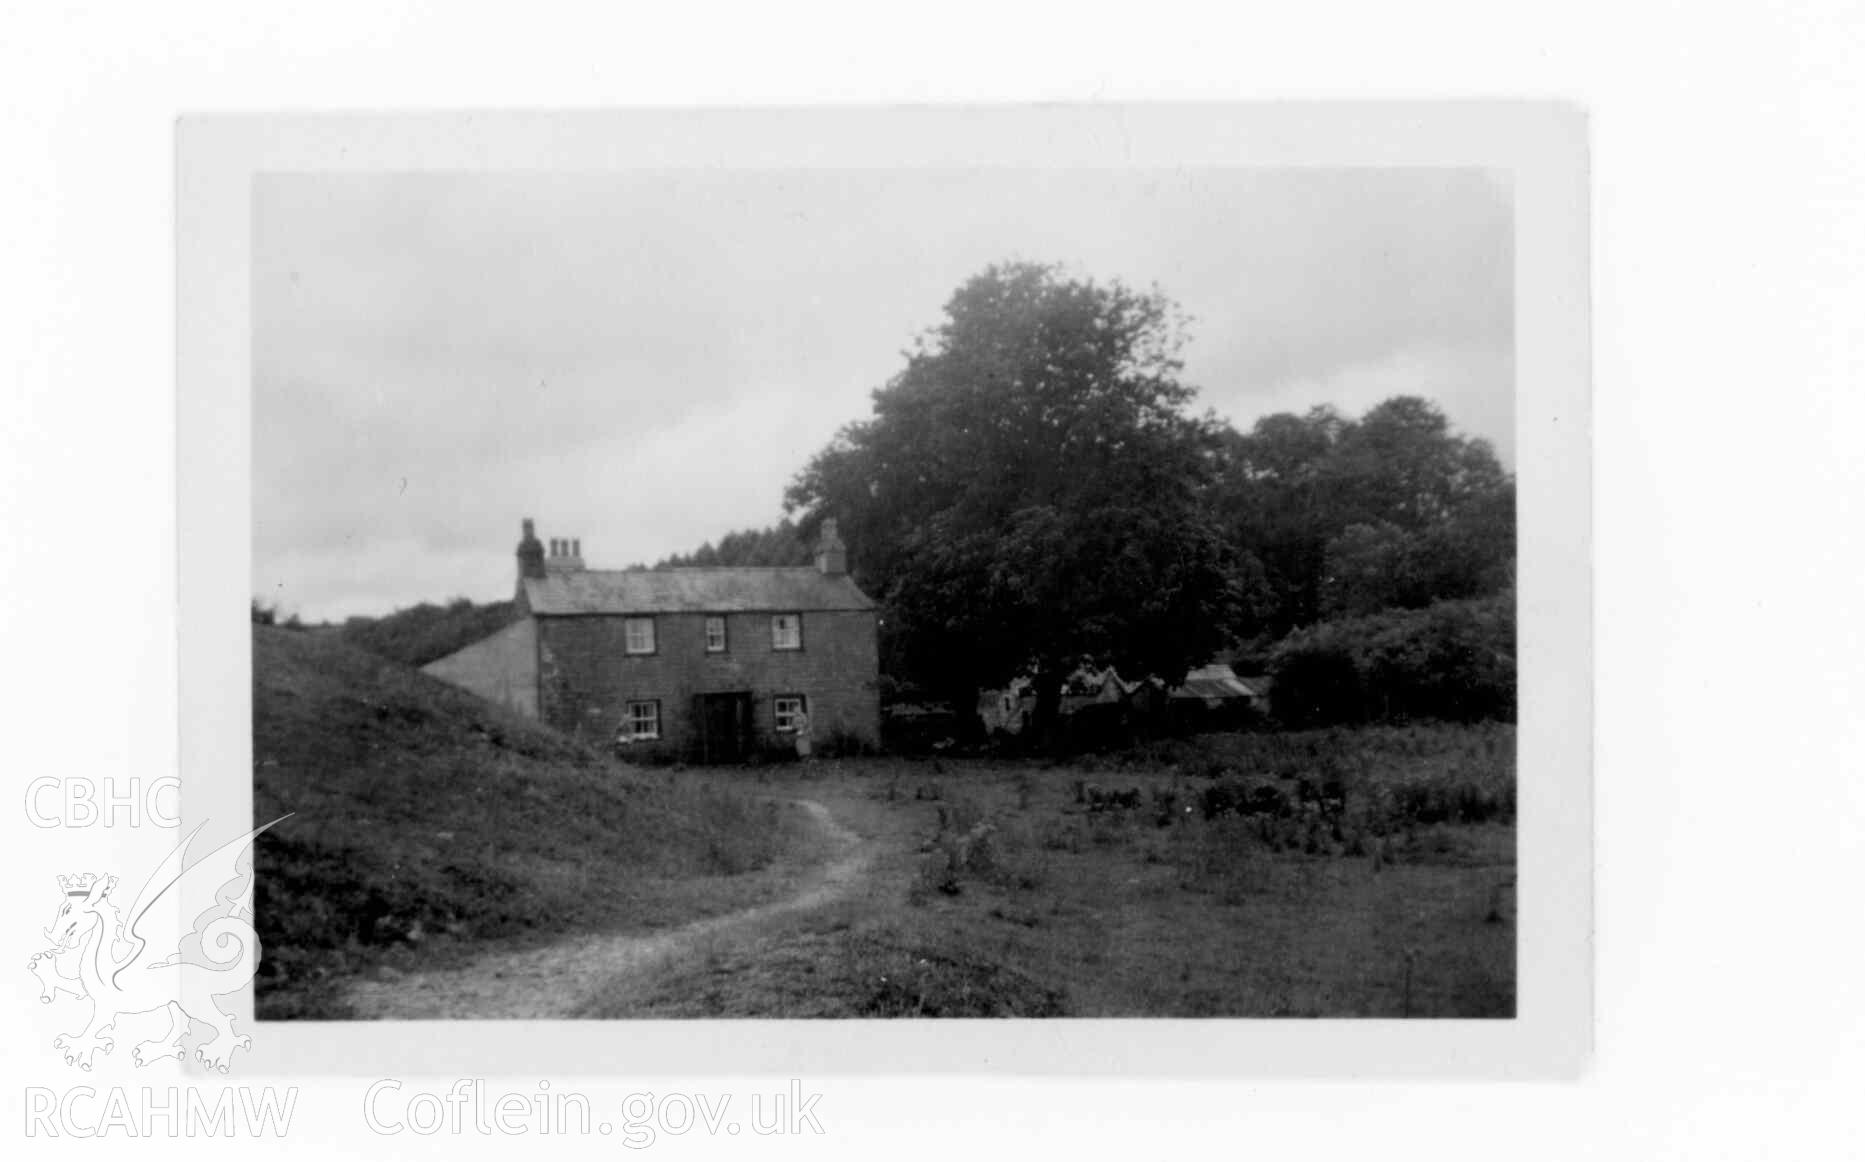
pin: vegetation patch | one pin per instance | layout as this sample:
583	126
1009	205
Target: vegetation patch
1002	891
1453	660
428	632
920	982
425	822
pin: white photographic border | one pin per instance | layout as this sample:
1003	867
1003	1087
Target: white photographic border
1540	147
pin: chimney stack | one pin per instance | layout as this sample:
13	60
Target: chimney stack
566	555
831	554
530	553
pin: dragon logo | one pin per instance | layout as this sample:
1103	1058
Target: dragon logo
149	962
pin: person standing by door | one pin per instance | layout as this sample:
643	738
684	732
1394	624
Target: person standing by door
801	725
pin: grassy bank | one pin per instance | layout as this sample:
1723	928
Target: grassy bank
426	823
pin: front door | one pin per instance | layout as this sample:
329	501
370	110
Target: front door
724	726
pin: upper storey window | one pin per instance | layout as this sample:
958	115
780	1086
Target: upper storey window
638	635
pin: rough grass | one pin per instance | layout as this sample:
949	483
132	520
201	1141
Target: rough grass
426	822
1420	774
1002	893
833	966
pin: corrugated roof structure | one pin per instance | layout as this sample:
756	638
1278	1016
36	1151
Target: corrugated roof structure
702	590
1212	683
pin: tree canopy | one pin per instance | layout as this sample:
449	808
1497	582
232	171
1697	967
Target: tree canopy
1031	490
1351	516
779	544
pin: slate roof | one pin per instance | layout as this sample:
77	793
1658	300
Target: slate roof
701	590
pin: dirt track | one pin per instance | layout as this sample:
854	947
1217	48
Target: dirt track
558	980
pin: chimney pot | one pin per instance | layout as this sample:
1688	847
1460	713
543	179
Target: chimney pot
566	555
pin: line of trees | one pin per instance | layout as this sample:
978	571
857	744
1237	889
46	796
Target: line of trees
780	544
1033	490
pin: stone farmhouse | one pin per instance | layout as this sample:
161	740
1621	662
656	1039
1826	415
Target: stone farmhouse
705	664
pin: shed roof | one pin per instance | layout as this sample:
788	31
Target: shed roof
700	590
1212	682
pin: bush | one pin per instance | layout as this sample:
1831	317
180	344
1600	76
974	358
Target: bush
1099	726
427	632
1366	780
269	615
921	729
842	743
1449	801
1454	660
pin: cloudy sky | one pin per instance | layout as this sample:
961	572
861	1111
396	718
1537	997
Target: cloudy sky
644	359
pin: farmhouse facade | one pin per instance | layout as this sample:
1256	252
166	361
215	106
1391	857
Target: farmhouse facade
706	664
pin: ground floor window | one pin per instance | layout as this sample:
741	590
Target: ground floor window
789	710
642	721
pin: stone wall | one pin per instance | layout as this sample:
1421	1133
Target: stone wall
586	678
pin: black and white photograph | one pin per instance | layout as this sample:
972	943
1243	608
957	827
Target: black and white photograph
885	593
848	581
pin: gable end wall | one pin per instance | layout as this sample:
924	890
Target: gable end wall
501	668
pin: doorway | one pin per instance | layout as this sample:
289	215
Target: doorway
724	720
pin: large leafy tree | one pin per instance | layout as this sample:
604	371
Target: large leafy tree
1277	498
1350	516
1032	491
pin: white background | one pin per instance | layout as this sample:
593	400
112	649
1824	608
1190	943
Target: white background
1729	265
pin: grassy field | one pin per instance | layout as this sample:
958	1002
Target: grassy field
427	825
1364	873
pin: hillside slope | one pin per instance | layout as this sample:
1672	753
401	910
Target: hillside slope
426	823
426	632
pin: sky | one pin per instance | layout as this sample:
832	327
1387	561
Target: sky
644	359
